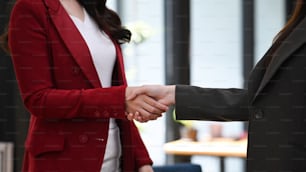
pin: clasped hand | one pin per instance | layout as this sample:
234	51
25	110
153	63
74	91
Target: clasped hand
148	102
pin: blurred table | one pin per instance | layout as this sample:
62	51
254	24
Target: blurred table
219	147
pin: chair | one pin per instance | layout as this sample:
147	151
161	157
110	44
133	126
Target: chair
184	167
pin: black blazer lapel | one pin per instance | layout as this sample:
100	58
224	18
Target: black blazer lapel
73	40
294	40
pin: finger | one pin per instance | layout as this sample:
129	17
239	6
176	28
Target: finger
155	116
154	106
140	118
146	116
130	116
151	117
137	116
143	120
142	115
162	107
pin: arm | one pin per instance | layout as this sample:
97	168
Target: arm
211	104
195	103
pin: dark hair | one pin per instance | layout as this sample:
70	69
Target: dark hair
298	14
4	42
4	35
106	19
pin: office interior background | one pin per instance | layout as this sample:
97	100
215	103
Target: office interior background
217	49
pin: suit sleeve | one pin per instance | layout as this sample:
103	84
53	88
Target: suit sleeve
29	50
195	103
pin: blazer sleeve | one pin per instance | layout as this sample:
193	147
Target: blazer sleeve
29	50
142	156
195	103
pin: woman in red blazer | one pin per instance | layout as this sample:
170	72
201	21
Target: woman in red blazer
60	87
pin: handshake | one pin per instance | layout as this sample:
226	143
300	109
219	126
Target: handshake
148	102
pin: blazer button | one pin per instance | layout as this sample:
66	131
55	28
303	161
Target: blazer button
259	114
97	113
116	114
106	113
76	70
83	139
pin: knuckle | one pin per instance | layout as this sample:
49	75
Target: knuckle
152	110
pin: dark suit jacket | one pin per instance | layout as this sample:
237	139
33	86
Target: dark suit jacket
60	87
274	104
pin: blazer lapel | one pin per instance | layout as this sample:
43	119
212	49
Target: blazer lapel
121	79
288	46
73	40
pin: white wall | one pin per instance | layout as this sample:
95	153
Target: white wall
270	18
216	62
145	64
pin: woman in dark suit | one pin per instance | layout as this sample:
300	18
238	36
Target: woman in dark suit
70	71
274	103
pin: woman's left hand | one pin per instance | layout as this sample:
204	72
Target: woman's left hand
146	168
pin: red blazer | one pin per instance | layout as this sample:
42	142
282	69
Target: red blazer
59	85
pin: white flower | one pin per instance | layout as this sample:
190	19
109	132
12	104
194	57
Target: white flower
141	31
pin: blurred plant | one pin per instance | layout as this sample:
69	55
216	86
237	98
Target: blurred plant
141	31
185	123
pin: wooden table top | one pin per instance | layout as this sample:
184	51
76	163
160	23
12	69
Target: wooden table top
222	147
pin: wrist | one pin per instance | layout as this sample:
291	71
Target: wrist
130	93
171	93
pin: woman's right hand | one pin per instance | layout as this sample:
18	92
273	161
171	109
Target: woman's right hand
142	107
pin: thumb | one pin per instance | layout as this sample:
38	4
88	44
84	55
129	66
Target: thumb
130	93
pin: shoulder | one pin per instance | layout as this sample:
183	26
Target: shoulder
28	9
28	15
23	6
301	28
29	3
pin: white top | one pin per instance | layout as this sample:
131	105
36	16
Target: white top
102	49
103	54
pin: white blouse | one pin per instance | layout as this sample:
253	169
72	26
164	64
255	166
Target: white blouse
103	54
